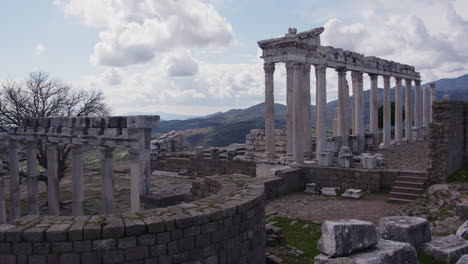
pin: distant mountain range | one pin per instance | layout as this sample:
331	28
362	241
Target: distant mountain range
222	129
162	115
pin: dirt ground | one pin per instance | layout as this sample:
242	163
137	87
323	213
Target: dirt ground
318	207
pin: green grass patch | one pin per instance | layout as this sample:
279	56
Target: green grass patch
300	237
460	175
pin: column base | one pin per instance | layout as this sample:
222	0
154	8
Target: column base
308	155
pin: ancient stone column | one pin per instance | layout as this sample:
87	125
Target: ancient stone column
386	112
433	98
321	106
408	111
398	111
269	69
52	179
77	180
14	180
140	183
426	108
335	122
374	102
2	196
343	97
32	178
358	89
290	107
307	115
298	119
417	108
107	180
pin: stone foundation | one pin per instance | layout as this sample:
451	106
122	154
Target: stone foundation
204	166
226	226
256	139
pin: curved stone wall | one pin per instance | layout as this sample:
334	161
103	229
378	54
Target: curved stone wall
226	226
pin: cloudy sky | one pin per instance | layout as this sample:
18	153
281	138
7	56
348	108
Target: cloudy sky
198	57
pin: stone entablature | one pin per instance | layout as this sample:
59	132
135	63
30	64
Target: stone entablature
227	226
305	47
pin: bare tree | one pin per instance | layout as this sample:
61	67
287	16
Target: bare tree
42	96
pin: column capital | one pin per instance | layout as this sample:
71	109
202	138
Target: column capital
320	68
269	67
373	76
398	79
307	68
289	66
297	66
341	72
357	76
107	152
386	77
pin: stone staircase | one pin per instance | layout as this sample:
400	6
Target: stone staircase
407	187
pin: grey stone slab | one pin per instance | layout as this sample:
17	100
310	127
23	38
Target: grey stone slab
463	230
126	242
3	228
155	224
105	244
343	237
134	226
136	253
91	230
91	257
57	232
35	234
463	260
62	247
414	230
75	232
37	259
82	246
114	227
147	240
42	248
330	191
385	252
353	193
447	249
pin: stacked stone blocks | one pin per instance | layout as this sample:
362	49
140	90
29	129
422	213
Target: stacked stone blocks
227	226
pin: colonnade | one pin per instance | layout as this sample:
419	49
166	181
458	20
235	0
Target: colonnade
299	118
139	162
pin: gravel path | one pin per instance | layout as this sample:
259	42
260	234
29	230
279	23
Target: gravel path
411	156
318	208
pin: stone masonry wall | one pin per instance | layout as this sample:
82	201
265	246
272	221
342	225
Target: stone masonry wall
227	226
205	166
448	139
256	139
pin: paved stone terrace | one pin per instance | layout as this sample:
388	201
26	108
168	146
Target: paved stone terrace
412	156
229	224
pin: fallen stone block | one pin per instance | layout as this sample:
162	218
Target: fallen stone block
413	230
446	249
463	260
342	237
353	193
368	161
325	158
463	230
330	191
385	252
312	188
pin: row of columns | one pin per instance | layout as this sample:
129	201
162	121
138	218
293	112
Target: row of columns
299	117
139	171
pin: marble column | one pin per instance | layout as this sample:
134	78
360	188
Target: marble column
2	196
409	111
358	90
387	114
290	108
32	173
307	115
107	180
398	111
417	108
298	119
269	69
321	106
374	103
433	98
14	180
343	99
52	179
426	109
77	180
140	181
335	122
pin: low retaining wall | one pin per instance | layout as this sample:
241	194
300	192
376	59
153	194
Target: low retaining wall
205	166
448	139
227	226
